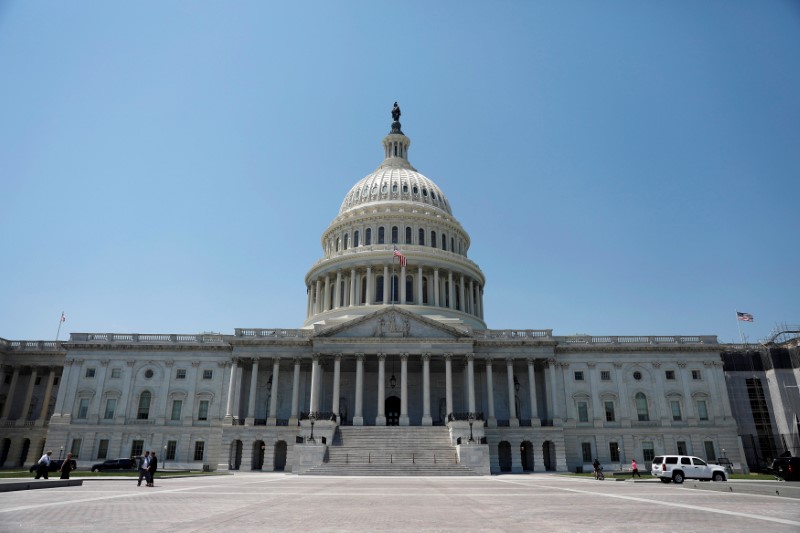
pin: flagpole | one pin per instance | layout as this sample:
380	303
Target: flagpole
60	321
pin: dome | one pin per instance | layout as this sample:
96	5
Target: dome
395	183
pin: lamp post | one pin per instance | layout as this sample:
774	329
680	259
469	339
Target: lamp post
312	417
60	453
165	457
471	418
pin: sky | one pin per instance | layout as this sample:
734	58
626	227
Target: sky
622	168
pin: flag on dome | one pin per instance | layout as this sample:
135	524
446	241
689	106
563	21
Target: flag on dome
744	317
400	256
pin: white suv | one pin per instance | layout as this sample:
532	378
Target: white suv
679	467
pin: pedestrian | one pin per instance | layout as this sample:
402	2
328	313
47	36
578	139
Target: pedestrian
66	467
151	470
634	469
144	462
43	466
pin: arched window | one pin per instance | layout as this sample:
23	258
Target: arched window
346	240
433	239
337	244
368	237
444	241
381	235
355	239
421	237
408	235
641	407
144	406
379	290
452	244
410	289
364	290
395	235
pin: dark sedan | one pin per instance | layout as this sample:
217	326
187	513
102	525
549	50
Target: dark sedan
787	468
114	464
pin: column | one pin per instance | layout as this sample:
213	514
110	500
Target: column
310	301
272	417
337	362
420	298
295	392
598	413
404	389
251	401
463	306
551	374
659	400
326	298
337	291
46	398
380	420
318	298
688	404
314	401
471	298
402	283
448	384
163	393
26	405
532	386
387	296
69	392
62	390
368	297
624	401
231	389
352	287
451	291
471	382
491	420
426	390
436	287
358	417
513	421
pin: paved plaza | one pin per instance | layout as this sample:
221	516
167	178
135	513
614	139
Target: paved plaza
284	502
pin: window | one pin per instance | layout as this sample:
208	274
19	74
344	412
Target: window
579	375
686	460
395	236
90	372
116	373
583	412
586	448
696	461
605	375
641	407
172	446
433	239
346	240
710	453
637	375
102	449
609	411
670	375
613	451
682	450
675	405
76	448
647	451
137	447
696	375
199	447
148	373
177	405
408	235
381	235
180	373
368	237
379	289
702	410
421	237
444	241
144	406
208	374
111	407
202	411
83	408
38	381
355	239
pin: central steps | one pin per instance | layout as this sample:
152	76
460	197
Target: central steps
391	451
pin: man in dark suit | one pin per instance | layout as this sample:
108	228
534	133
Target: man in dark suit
151	470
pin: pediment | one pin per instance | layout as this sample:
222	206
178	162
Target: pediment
393	323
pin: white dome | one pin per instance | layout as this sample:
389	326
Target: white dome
395	183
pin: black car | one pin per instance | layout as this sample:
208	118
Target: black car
787	468
55	465
114	464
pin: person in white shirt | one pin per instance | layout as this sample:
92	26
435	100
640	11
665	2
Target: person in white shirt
43	467
143	466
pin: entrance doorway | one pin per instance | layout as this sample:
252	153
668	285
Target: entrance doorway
504	456
279	460
549	455
526	452
392	406
236	455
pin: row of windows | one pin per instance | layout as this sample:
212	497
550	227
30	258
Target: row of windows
180	373
137	449
415	190
648	451
605	375
143	409
642	409
433	239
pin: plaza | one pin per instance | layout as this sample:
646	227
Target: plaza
282	502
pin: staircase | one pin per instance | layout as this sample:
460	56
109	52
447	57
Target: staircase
391	451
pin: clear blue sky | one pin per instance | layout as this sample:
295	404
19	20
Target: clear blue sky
623	168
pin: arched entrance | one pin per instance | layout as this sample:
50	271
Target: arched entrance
526	454
549	455
504	456
392	406
236	455
26	445
258	454
6	446
279	462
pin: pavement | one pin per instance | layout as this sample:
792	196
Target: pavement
254	501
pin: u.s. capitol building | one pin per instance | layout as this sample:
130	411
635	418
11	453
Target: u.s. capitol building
393	370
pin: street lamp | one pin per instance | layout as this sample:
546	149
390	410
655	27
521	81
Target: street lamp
312	417
471	418
165	457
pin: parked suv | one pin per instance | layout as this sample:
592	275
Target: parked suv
679	467
115	464
787	468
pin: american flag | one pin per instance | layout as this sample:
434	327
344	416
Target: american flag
63	318
744	317
399	255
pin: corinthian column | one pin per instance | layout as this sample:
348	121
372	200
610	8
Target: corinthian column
513	421
231	390
426	390
358	417
380	420
404	389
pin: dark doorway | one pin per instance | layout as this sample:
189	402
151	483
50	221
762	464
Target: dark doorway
26	444
258	455
549	455
504	455
526	454
280	456
392	411
236	455
6	446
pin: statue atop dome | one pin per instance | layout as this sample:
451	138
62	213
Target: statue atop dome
396	118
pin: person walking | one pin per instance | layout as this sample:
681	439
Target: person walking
634	469
151	469
66	467
143	465
43	466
